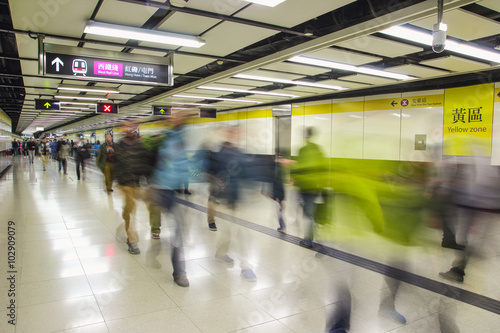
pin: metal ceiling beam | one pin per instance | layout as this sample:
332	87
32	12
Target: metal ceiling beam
411	13
95	41
217	16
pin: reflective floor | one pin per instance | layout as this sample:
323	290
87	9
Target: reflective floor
72	271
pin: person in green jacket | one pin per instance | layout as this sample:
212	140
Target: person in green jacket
310	174
105	162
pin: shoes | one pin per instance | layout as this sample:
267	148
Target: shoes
187	192
65	173
308	244
453	245
181	280
339	330
454	274
133	248
248	275
282	230
155	235
225	259
393	315
43	169
212	226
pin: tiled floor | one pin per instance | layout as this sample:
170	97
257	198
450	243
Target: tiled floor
74	273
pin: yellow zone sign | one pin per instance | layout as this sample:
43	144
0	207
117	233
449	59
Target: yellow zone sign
497	95
413	102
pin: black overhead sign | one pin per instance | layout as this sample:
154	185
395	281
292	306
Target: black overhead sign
106	108
162	110
109	66
208	113
47	104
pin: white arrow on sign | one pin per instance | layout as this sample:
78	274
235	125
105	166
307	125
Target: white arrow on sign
58	62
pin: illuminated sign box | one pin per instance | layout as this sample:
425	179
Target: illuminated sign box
106	108
47	104
208	113
90	64
162	111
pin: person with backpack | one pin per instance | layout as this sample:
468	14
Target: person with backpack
82	153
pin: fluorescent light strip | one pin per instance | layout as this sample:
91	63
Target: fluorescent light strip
161	37
78	103
83	98
296	83
90	89
199	104
269	3
426	39
350	68
255	92
218	99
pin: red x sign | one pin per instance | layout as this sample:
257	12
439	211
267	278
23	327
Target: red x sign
107	108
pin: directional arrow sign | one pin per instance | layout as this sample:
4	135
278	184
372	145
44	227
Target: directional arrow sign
162	110
394	103
46	104
57	62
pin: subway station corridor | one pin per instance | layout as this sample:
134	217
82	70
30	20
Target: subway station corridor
74	274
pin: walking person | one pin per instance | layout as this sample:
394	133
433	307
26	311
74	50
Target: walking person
62	155
130	161
44	151
31	145
82	153
53	149
104	161
171	170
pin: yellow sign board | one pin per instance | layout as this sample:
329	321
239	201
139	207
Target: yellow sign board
497	95
413	102
468	120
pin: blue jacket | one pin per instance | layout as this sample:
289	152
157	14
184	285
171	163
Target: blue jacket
172	165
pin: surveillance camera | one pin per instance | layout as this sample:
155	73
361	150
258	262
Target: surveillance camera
439	37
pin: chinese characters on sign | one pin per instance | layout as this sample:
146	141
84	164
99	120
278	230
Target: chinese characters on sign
468	120
469	115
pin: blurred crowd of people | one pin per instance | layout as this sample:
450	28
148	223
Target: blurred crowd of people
392	201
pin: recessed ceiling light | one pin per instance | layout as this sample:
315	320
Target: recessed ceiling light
296	83
451	45
90	89
155	36
255	92
269	3
217	99
83	97
349	68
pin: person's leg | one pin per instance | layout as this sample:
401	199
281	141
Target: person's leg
129	194
167	200
65	165
107	176
281	220
77	164
309	209
154	219
211	207
44	161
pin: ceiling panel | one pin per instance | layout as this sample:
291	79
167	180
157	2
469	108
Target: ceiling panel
345	57
455	64
295	68
380	46
229	37
103	47
368	79
491	4
39	16
276	75
463	24
186	63
187	24
416	70
344	84
220	7
297	11
294	91
123	13
310	90
242	84
147	52
133	89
